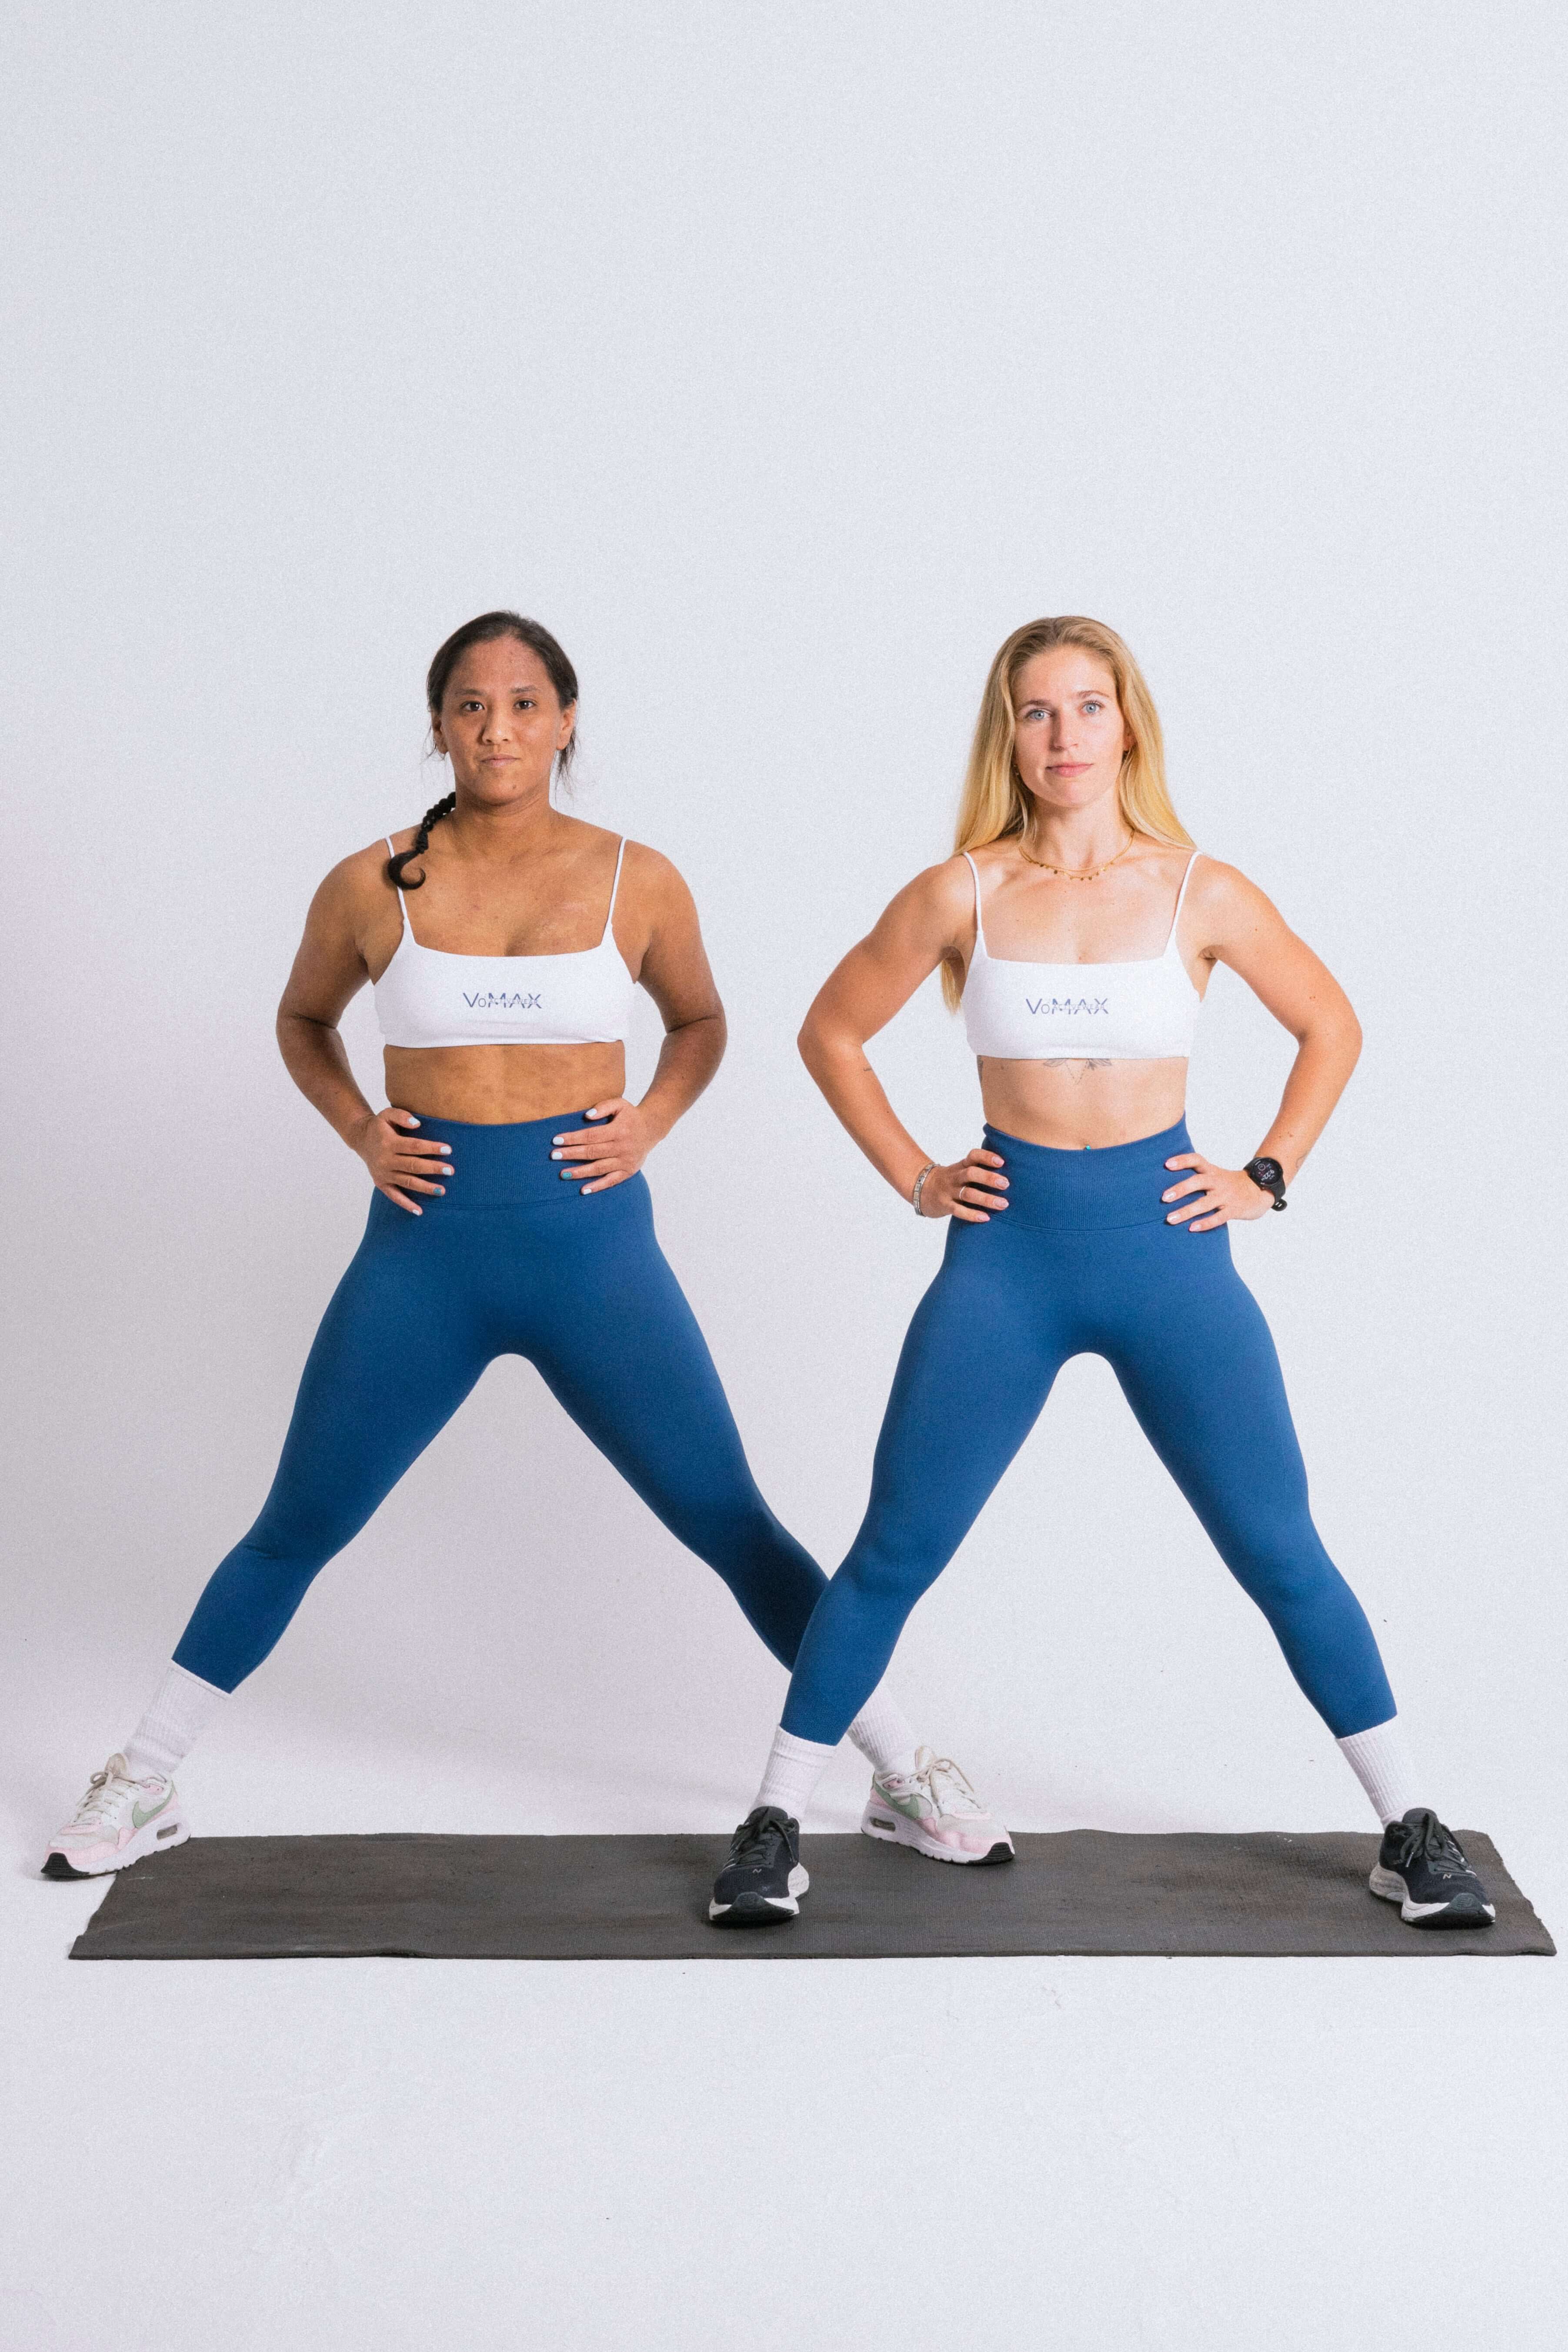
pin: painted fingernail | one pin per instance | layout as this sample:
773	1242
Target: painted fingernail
445	1148
412	1120
558	1138
441	1191
555	1155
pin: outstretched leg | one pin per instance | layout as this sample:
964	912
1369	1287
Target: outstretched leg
619	1346
397	1352
977	1364
1201	1373
986	1341
1199	1370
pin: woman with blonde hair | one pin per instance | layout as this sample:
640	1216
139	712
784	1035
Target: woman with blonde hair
1079	928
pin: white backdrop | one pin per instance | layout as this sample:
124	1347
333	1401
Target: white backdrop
782	371
782	359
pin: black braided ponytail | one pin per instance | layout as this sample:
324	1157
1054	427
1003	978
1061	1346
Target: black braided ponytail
479	631
394	865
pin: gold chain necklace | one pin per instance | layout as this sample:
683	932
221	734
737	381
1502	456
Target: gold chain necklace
1072	874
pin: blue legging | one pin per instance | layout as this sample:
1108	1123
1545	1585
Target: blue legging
513	1261
1082	1262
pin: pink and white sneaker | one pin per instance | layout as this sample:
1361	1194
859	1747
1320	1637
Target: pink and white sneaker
118	1820
936	1811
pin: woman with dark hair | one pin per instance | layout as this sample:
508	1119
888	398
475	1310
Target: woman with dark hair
1079	928
503	939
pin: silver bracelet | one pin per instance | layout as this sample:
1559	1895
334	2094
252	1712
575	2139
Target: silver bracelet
921	1185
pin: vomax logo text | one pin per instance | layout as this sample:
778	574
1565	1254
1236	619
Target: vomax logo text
485	1001
1068	1003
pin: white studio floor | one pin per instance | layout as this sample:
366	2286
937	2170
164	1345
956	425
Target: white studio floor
920	2156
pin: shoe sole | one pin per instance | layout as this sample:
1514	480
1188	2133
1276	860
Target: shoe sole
761	1910
1459	1911
56	1865
894	1829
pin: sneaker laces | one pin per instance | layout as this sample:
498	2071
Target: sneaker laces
1437	1847
950	1786
756	1841
99	1798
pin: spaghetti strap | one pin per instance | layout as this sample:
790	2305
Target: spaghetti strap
614	888
401	901
1181	895
981	947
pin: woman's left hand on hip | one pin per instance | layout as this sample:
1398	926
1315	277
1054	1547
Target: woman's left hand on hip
1212	1196
609	1151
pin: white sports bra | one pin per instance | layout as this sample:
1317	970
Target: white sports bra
1142	1012
428	997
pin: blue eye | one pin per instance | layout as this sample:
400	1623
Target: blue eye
1094	706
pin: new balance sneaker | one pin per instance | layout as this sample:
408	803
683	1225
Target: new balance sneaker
935	1810
118	1820
1421	1866
763	1881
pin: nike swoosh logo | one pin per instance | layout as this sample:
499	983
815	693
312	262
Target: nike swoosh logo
138	1820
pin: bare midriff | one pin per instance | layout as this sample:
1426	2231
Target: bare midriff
1082	1106
498	1085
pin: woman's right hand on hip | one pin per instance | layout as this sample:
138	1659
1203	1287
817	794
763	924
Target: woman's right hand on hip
398	1160
968	1190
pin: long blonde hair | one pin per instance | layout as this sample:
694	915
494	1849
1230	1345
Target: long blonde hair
994	805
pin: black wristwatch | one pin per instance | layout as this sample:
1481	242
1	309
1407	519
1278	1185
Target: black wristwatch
1269	1176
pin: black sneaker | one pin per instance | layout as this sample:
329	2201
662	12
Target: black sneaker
1422	1867
761	1883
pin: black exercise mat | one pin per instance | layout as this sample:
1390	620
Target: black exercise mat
645	1899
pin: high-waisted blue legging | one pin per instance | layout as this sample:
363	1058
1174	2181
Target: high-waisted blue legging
513	1261
1082	1262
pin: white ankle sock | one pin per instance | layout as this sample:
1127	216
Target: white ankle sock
794	1768
884	1735
182	1709
1380	1762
